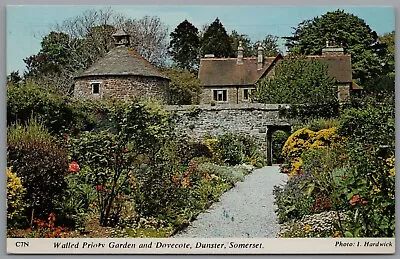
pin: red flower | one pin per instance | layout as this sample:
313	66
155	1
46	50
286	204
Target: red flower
52	217
99	188
125	150
73	167
356	198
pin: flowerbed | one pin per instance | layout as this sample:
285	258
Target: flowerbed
347	168
129	176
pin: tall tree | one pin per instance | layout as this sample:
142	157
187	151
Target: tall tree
184	87
14	77
55	53
149	36
298	81
387	40
383	85
246	44
216	41
270	45
352	32
184	46
75	44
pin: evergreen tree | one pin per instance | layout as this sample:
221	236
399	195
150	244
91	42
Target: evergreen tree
345	29
246	44
184	46
216	41
14	77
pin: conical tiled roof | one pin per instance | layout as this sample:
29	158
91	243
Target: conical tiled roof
122	60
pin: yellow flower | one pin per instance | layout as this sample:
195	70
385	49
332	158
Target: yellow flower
391	162
307	228
336	234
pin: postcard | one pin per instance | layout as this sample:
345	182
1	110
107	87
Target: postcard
200	130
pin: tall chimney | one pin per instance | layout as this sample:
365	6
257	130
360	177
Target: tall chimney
260	58
332	49
240	54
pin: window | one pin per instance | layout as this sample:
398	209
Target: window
220	95
247	93
95	88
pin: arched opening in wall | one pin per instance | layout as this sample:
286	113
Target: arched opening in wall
279	138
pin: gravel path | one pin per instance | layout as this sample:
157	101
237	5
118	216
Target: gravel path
247	210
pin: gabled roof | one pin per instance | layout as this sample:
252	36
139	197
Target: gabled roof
339	66
122	60
226	71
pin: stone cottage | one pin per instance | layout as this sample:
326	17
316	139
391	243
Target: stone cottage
122	74
339	67
230	80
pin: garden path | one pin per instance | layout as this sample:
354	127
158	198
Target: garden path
247	210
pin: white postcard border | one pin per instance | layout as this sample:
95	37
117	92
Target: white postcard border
201	246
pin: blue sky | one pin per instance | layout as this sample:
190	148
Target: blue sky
27	24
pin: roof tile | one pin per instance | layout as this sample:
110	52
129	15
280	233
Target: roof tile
122	60
226	71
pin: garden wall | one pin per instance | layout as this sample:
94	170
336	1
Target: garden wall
252	118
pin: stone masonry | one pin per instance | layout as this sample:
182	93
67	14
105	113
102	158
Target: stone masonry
122	87
258	120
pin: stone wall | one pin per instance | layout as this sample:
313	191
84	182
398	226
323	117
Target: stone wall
251	118
122	87
343	92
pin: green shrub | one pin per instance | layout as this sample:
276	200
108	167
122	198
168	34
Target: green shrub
292	200
126	156
59	114
305	112
77	200
319	124
228	174
187	149
278	140
15	199
107	166
369	187
313	190
184	87
40	163
159	192
234	149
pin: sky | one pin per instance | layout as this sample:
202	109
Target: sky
26	25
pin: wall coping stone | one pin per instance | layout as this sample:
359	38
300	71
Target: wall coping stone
241	106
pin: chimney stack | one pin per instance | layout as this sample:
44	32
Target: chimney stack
260	57
332	49
240	54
